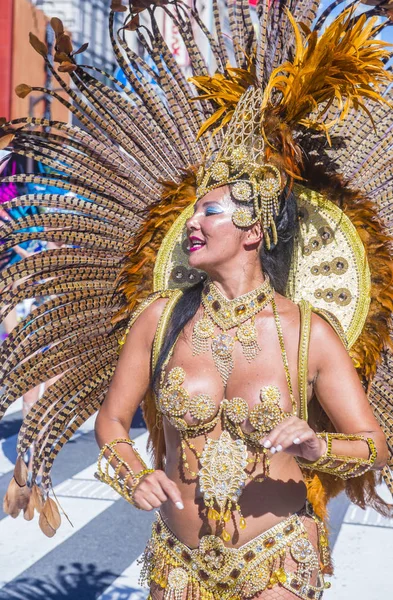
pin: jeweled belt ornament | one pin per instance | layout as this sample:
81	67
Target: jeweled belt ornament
222	478
214	572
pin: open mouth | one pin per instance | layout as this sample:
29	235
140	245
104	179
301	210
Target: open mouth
196	245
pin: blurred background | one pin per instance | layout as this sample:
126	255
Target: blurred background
96	557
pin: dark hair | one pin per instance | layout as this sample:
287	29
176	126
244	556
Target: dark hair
275	263
183	312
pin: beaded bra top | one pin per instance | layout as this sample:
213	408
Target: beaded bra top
174	402
224	462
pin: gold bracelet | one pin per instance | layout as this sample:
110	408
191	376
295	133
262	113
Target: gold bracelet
138	478
123	484
344	467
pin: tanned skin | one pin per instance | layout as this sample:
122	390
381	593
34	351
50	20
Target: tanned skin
231	258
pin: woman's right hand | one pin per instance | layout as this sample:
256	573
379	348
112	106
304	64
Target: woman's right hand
154	489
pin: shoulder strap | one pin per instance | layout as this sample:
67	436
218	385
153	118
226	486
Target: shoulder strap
304	342
306	309
143	305
163	323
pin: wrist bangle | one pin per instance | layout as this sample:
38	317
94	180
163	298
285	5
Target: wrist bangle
123	484
138	478
344	467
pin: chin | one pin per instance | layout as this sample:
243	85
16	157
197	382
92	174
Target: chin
201	265
195	261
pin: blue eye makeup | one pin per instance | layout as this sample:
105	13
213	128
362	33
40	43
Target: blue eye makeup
213	210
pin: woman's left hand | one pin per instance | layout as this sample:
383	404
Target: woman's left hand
295	436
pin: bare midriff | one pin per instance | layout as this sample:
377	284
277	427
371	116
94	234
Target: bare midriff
265	501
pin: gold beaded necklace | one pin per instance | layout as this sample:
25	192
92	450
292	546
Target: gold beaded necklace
228	314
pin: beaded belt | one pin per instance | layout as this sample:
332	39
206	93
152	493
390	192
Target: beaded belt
218	572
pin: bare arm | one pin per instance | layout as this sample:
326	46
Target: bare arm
126	391
341	395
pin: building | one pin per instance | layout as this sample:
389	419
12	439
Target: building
19	63
87	20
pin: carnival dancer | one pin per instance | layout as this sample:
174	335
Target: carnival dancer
252	273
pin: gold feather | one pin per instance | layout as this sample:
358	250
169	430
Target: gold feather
344	64
226	91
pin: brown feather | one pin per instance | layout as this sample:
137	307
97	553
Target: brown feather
28	513
37	498
20	472
16	498
51	513
45	527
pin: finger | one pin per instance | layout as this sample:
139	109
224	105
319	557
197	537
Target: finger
153	486
150	498
270	440
143	504
282	425
171	490
295	437
289	435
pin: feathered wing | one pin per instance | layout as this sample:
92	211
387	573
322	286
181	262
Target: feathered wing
133	144
350	163
128	170
327	90
361	156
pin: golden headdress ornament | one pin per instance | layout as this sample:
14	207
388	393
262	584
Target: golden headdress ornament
240	163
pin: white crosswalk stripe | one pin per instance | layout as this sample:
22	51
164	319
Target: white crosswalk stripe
81	497
127	582
364	542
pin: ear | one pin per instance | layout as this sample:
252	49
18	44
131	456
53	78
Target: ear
254	236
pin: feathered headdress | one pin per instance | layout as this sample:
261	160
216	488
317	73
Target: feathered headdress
131	166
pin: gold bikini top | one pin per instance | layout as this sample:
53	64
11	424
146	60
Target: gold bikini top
174	401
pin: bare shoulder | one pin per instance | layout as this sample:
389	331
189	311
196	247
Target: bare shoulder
144	327
326	347
150	316
322	332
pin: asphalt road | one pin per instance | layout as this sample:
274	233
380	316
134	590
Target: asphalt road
96	558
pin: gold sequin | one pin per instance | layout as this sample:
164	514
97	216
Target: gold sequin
174	400
176	376
303	551
202	407
267	415
242	217
219	171
270	393
239	155
177	583
241	191
237	410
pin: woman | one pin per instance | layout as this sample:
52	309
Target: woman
232	259
243	390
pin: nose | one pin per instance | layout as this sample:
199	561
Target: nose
192	224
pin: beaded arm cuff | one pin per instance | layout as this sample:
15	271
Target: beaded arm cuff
126	483
344	467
